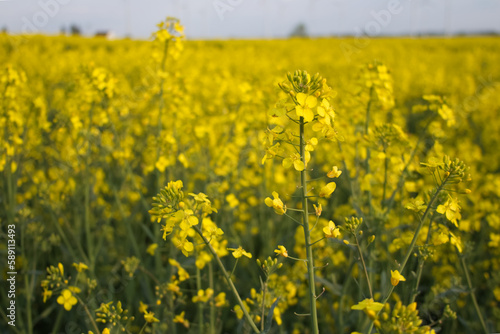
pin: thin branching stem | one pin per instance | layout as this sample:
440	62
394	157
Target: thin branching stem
421	263
228	279
471	292
317	241
91	318
361	257
263	306
295	220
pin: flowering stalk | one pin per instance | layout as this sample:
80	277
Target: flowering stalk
307	102
169	34
307	236
228	279
454	173
415	237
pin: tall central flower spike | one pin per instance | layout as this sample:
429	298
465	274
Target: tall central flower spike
303	107
305	99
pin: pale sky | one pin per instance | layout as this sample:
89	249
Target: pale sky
205	19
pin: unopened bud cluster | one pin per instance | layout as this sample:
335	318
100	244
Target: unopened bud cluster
425	252
269	266
55	277
114	315
455	170
351	224
402	319
167	201
302	82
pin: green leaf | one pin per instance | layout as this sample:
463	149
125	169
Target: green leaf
269	320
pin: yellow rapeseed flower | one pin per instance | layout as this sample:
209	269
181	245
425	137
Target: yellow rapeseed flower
368	304
451	209
150	317
304	108
276	204
203	296
281	251
295	161
396	277
327	190
179	318
67	299
220	300
331	231
142	307
335	172
239	252
46	294
80	266
238	311
152	249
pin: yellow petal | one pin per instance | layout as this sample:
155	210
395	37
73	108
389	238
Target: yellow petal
298	165
311	101
301	98
308	115
287	163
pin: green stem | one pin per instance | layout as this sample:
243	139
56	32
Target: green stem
386	167
200	305
66	241
471	292
364	265
412	244
127	224
29	294
87	218
57	323
212	301
88	314
318	241
345	287
143	328
263	307
307	236
368	152
228	279
421	263
234	268
171	297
